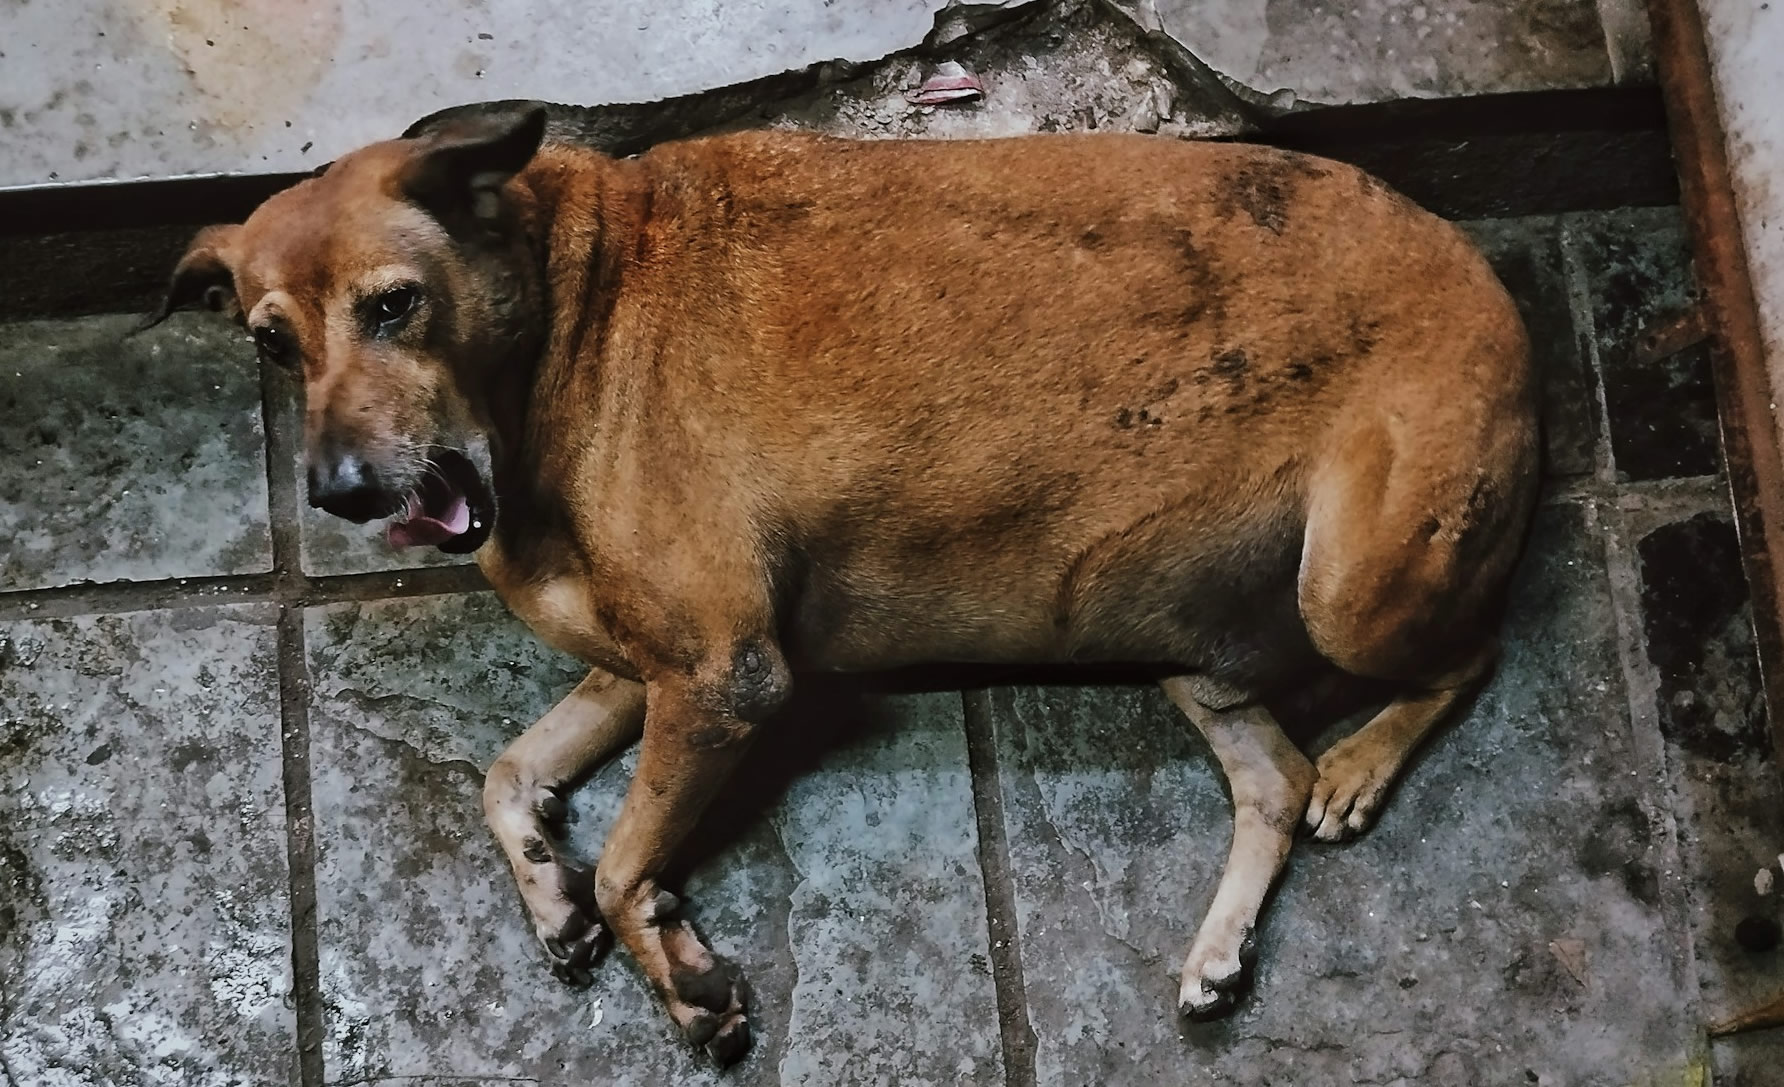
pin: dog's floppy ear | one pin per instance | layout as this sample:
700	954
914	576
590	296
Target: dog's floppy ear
202	278
460	168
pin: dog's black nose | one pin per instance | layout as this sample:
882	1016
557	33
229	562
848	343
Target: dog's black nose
348	487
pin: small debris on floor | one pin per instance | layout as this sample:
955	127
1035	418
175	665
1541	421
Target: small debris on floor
1571	954
1763	881
950	82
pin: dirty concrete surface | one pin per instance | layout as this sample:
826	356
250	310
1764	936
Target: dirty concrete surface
241	841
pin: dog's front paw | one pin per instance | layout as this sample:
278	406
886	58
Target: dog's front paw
1216	974
560	897
559	892
711	1006
704	994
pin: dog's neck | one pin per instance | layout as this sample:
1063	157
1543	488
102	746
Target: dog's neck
583	215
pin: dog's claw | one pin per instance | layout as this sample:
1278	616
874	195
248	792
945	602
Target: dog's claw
730	1043
572	957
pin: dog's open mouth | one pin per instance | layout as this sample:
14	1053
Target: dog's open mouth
450	508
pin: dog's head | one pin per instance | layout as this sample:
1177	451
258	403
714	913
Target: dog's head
395	282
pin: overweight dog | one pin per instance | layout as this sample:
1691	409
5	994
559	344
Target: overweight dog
764	403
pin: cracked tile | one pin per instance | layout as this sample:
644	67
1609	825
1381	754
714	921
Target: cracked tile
129	457
841	876
1420	953
144	927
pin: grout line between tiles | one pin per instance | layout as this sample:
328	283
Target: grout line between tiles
300	844
1585	331
1641	683
281	429
205	592
1612	511
280	424
1014	1029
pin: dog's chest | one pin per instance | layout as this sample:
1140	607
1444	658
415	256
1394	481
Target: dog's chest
554	601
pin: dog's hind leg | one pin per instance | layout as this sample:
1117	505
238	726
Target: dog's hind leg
1354	776
1270	781
523	801
1404	568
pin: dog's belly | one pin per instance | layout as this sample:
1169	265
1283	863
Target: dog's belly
1167	593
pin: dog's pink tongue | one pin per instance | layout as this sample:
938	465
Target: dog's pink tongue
422	530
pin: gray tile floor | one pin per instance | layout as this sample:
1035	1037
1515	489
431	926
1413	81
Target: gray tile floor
240	836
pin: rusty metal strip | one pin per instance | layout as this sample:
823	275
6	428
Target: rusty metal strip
1744	397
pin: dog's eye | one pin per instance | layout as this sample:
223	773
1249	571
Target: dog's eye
274	346
395	304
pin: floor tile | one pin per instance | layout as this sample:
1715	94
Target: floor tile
1526	253
840	873
1637	272
1436	950
1727	794
130	458
144	924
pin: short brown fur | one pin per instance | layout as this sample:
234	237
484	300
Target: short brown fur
766	403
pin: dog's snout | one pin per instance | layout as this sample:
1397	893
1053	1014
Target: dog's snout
345	485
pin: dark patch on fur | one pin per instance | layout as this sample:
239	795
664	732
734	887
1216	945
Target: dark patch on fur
1232	363
1264	188
1363	335
1206	298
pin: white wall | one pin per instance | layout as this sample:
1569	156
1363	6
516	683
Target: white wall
123	89
1747	60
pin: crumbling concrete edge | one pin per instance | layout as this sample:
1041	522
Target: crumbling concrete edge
1222	106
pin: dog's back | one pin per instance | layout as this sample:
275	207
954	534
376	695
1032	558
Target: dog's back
1138	363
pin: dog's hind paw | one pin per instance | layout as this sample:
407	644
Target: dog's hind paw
1353	782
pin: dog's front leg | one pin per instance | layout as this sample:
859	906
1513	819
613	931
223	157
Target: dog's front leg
691	746
523	800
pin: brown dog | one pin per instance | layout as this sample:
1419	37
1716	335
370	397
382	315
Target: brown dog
765	402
